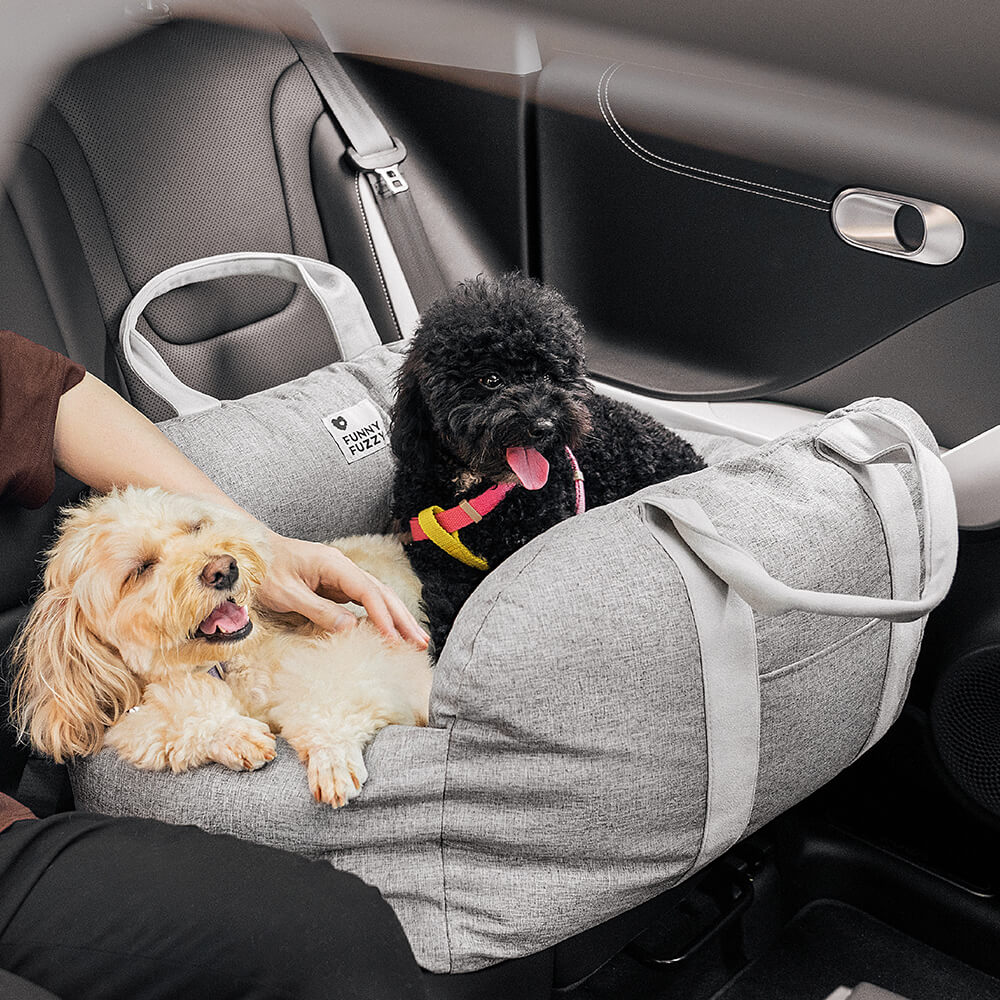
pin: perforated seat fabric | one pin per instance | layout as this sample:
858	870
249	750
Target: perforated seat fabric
195	139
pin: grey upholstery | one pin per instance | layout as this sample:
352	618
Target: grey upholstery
610	713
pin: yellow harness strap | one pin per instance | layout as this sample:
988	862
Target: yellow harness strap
449	542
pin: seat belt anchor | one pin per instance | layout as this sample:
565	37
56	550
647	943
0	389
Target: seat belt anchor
384	165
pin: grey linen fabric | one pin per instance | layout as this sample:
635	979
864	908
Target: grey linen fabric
564	775
273	454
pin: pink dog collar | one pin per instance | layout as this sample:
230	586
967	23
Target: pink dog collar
472	511
467	512
581	496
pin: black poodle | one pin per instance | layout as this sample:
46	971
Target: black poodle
493	425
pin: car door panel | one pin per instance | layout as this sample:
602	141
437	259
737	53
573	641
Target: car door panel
704	261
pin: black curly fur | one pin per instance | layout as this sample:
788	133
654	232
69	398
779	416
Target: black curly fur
450	432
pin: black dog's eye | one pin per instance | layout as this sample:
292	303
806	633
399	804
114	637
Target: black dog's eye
491	381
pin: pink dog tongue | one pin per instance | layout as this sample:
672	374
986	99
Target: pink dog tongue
227	617
529	466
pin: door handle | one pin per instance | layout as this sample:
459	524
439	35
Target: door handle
897	226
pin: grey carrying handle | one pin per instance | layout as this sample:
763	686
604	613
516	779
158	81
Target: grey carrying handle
339	297
856	442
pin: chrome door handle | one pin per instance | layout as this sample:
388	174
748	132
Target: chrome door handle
868	219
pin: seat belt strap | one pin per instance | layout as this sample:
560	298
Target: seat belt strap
377	157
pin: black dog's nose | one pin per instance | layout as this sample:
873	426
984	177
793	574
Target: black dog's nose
220	573
541	428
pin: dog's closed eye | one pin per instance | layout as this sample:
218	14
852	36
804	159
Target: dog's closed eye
140	570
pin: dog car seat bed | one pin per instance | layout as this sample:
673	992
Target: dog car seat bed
626	696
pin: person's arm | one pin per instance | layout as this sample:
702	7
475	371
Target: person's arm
103	441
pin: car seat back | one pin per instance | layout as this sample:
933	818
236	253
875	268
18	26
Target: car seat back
198	138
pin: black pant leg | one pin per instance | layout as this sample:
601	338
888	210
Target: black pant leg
92	907
15	988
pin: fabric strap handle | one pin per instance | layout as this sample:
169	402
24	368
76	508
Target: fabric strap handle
338	296
867	445
854	441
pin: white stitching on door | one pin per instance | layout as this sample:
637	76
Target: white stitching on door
687	170
603	91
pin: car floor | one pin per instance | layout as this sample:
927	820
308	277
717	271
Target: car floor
808	928
828	944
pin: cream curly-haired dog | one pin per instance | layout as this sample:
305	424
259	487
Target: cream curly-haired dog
147	638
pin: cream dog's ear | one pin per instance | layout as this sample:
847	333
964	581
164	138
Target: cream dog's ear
70	686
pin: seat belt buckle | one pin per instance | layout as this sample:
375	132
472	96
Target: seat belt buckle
383	165
390	180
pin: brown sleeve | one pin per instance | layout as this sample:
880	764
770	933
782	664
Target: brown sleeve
32	380
11	811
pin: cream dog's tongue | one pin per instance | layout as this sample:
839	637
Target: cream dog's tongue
529	466
227	617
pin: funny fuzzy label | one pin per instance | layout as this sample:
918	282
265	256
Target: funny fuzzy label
358	430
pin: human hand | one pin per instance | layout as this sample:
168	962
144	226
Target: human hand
307	578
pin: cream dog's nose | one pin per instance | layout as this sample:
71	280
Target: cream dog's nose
220	572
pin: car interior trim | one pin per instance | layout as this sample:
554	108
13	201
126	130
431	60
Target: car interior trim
752	421
867	219
445	34
974	466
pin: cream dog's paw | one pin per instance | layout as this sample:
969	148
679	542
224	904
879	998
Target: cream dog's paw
336	773
242	744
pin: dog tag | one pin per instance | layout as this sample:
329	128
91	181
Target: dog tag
358	430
